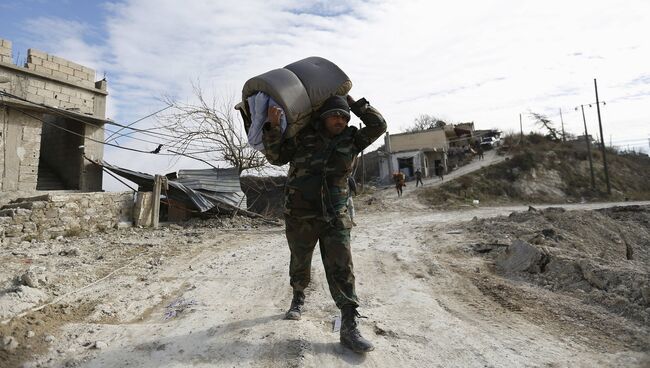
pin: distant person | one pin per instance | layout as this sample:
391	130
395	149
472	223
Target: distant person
400	182
480	153
418	178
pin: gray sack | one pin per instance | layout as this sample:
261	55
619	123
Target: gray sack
300	88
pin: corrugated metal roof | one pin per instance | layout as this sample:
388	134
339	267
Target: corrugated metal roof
214	180
177	191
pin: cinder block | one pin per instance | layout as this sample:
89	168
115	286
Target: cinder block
45	93
50	65
75	66
32	59
59	74
66	69
5	52
68	90
87	83
58	60
27	178
81	74
36	99
76	101
63	97
52	87
6	59
5	43
38	53
36	83
32	90
42	69
73	79
51	102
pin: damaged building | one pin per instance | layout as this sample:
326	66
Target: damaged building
52	112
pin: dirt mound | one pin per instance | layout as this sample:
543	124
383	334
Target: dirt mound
600	257
548	172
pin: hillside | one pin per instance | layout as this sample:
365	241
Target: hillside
542	171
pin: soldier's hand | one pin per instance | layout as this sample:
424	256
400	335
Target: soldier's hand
274	114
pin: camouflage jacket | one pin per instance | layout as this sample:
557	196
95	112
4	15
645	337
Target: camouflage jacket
317	184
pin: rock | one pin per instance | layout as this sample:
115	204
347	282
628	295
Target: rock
521	256
49	338
100	345
9	343
30	279
30	334
72	252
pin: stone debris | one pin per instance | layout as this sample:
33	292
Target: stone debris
521	257
178	306
9	343
100	345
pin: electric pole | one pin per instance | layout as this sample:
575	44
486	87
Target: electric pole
563	134
602	140
521	129
591	165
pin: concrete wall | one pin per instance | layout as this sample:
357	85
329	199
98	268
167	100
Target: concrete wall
50	216
19	150
428	139
56	82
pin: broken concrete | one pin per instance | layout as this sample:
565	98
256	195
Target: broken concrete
521	257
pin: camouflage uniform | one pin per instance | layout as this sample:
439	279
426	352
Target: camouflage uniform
316	196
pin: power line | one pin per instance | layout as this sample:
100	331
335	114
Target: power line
142	131
139	120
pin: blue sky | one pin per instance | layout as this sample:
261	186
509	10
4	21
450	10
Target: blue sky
485	62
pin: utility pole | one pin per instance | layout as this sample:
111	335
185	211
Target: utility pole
521	129
563	134
602	140
591	165
155	208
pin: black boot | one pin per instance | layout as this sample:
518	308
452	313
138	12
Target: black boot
297	303
350	335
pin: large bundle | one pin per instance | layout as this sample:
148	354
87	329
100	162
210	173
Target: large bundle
299	88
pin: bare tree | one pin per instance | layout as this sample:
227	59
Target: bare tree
425	122
211	128
544	122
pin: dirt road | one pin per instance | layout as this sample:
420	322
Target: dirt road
429	303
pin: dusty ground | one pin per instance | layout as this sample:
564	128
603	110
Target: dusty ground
213	295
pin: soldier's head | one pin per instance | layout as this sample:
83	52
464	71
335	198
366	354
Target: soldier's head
335	115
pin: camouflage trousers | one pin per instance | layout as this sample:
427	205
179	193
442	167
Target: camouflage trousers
334	242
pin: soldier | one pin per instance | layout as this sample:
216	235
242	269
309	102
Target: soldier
316	192
418	177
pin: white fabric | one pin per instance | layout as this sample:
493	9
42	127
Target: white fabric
259	104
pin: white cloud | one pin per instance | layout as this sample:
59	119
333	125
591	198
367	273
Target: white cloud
485	62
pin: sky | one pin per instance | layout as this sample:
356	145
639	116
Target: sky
480	61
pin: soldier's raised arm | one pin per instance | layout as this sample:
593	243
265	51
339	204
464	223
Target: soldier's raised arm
277	151
375	125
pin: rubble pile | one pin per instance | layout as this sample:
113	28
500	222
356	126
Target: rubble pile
601	257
